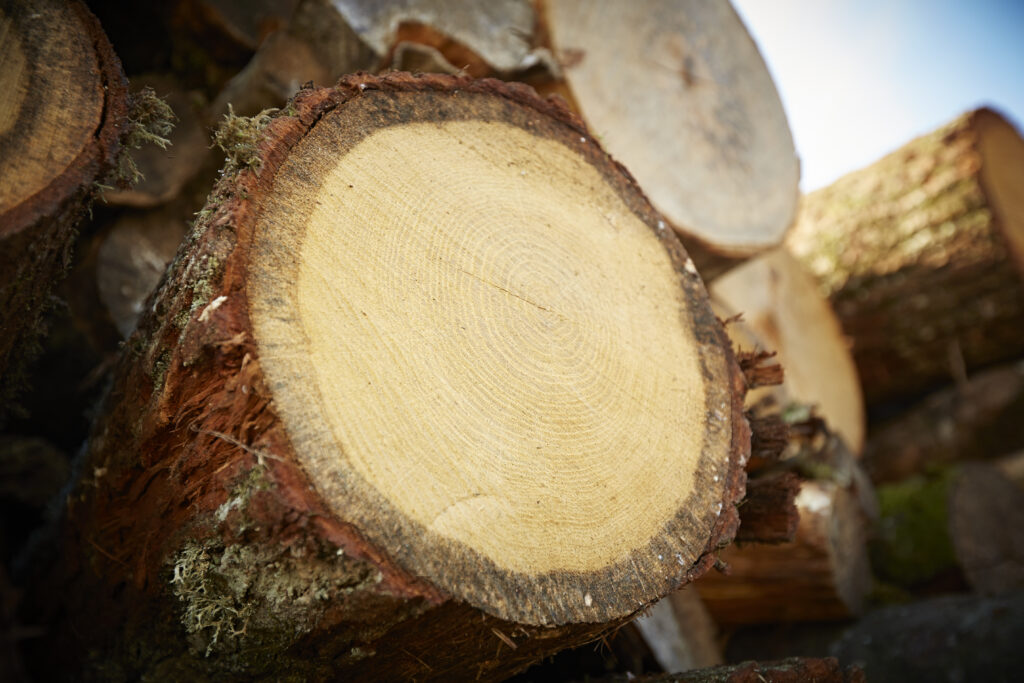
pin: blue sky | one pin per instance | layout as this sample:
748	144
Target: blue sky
859	79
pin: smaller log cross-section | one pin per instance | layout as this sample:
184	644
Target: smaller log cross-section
679	93
432	350
63	104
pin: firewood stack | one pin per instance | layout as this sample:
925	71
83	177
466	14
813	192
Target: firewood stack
421	339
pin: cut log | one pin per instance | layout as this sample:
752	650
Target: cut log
921	255
822	574
965	520
953	638
132	256
986	522
63	104
783	311
393	407
484	39
680	633
976	420
680	95
792	670
768	513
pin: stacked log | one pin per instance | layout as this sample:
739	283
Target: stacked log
445	502
60	136
922	254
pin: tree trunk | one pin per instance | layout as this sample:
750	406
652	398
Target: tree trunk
951	638
976	420
392	409
822	574
967	521
921	255
783	311
62	111
681	96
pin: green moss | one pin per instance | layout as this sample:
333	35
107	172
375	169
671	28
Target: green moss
239	136
244	600
150	121
912	542
160	367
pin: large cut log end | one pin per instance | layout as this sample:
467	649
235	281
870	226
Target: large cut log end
428	342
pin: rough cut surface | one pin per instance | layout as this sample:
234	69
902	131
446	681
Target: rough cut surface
921	255
63	101
680	95
213	504
783	311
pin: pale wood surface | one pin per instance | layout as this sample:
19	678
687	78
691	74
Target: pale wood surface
678	92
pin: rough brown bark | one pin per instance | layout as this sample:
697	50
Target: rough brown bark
957	637
194	530
921	255
792	670
976	420
768	513
822	574
62	112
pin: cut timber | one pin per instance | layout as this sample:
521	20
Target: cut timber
391	411
483	38
952	638
63	102
822	574
921	255
976	420
968	519
132	256
679	94
680	632
784	312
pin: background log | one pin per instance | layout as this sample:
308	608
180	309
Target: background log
921	255
979	419
780	309
683	88
61	118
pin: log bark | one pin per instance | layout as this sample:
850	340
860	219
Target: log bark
921	255
272	512
768	513
976	420
952	638
683	89
791	670
822	574
782	310
62	110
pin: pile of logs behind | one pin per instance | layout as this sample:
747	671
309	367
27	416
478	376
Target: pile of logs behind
895	307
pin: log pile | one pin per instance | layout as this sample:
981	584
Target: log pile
430	376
